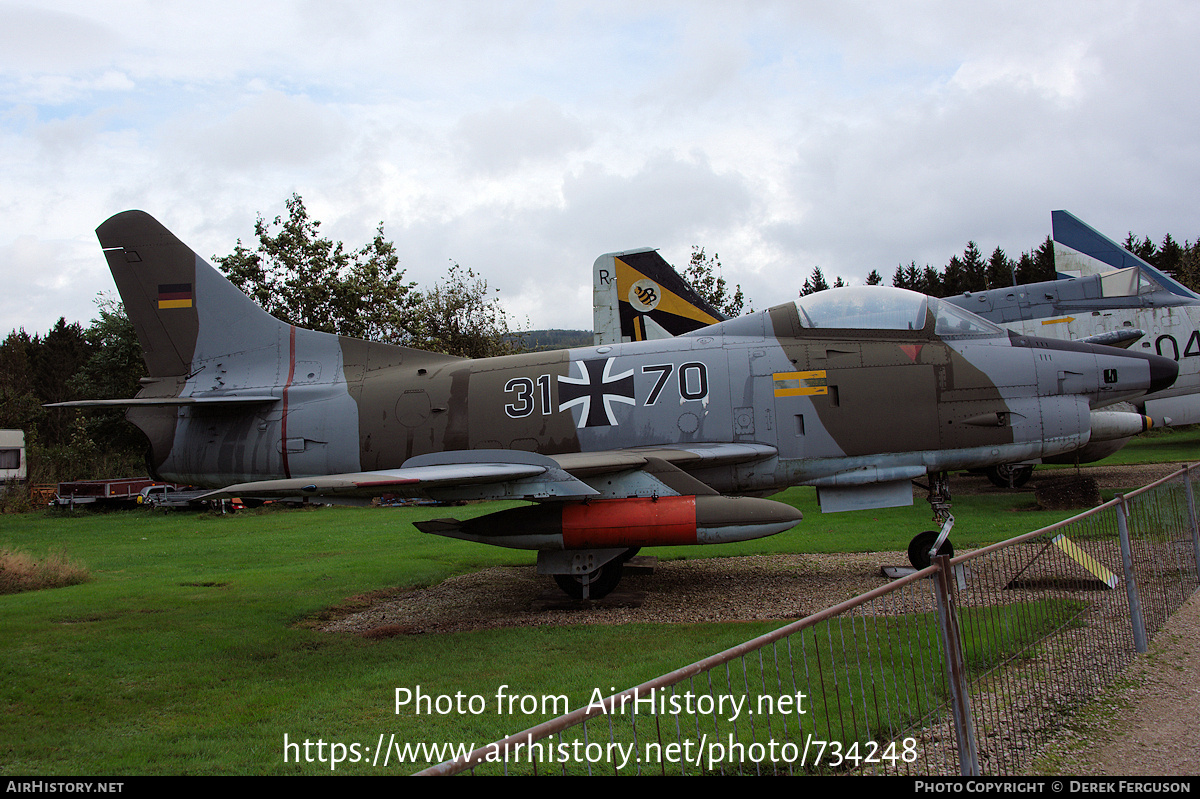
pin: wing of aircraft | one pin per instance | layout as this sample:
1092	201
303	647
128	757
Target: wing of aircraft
638	296
617	446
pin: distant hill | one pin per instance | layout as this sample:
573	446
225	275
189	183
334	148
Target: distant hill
537	340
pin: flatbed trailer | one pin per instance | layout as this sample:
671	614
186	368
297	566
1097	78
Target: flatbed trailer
102	493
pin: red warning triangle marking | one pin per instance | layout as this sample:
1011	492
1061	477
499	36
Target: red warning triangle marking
912	351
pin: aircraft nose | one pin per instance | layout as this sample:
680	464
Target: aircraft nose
1163	372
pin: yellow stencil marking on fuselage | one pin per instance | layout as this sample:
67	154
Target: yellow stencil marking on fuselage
799	384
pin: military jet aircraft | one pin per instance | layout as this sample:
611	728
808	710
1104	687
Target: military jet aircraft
855	391
1105	294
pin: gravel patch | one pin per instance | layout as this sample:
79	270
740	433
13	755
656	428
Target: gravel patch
678	592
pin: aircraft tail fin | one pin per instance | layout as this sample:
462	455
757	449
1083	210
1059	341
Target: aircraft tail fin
638	296
176	300
1080	250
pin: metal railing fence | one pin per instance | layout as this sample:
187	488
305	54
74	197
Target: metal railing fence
967	667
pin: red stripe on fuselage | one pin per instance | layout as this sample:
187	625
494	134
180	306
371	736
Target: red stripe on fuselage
287	471
603	523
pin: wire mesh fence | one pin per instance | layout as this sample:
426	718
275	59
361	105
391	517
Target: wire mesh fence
967	667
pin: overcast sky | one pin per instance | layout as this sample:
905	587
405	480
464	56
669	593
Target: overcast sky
523	139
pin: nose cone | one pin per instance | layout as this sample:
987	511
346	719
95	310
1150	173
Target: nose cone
1163	372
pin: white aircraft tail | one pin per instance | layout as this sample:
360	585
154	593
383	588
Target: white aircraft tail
1079	251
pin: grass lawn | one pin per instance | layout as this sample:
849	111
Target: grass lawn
186	652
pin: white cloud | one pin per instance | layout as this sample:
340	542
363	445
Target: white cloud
501	139
270	129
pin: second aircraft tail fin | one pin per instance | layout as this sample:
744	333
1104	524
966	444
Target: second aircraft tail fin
638	296
1080	250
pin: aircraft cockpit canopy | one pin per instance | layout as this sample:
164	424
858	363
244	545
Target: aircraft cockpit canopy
886	308
863	308
1128	283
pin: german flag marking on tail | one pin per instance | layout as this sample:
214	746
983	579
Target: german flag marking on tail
174	295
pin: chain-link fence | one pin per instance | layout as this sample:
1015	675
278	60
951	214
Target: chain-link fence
967	667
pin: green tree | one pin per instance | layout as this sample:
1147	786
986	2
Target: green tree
1170	256
907	277
954	279
20	406
974	269
874	279
1037	266
999	269
704	275
302	278
1143	249
459	317
815	282
931	282
54	359
1189	266
112	372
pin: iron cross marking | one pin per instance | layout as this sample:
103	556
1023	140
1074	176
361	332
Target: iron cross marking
595	391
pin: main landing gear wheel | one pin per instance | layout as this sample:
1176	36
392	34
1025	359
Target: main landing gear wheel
600	582
1009	475
918	549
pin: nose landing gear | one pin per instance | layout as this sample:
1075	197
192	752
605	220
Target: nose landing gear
924	545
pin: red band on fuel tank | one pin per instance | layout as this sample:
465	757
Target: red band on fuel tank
629	523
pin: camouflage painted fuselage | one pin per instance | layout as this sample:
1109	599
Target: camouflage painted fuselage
840	407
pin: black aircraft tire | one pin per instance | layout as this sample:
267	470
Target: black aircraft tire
1009	475
918	549
603	581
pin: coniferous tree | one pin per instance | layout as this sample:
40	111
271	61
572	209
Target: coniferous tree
954	279
999	269
815	282
931	282
1143	249
974	269
1170	256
